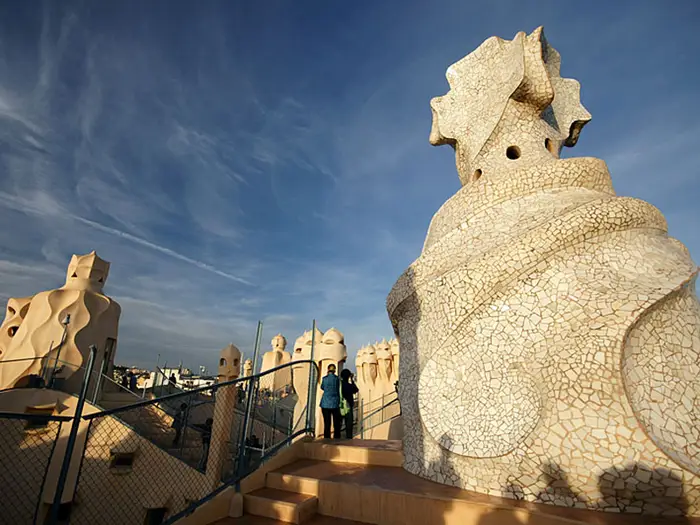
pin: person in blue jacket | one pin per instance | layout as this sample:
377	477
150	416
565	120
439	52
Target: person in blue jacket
330	403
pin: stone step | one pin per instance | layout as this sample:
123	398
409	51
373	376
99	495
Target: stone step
288	507
293	483
386	453
392	496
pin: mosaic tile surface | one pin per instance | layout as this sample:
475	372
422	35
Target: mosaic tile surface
550	330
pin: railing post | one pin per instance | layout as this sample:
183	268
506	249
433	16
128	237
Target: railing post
98	386
155	377
65	324
39	502
183	432
381	418
242	451
310	401
70	445
274	417
45	367
362	419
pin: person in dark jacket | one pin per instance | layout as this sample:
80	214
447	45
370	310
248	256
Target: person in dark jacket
178	423
330	403
349	389
205	429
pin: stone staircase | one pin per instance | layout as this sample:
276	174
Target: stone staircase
291	497
282	505
155	425
361	481
119	399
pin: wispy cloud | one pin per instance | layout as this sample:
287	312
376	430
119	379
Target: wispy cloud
290	180
166	251
44	205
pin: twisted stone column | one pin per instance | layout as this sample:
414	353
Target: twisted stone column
550	332
224	404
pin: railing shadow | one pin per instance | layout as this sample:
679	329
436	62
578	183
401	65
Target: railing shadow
119	462
250	451
27	443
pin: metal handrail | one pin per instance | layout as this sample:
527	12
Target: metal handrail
120	386
156	406
360	422
195	403
212	388
212	401
43	370
167	382
77	367
35	358
378	401
234	481
301	416
23	359
33	417
381	408
72	438
239	461
244	468
161	405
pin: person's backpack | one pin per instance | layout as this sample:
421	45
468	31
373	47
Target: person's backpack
344	406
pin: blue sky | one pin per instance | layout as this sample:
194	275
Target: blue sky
237	161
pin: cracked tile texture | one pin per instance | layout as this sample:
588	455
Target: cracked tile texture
549	330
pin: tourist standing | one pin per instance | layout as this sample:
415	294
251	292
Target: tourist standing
349	389
205	429
178	423
132	382
330	403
